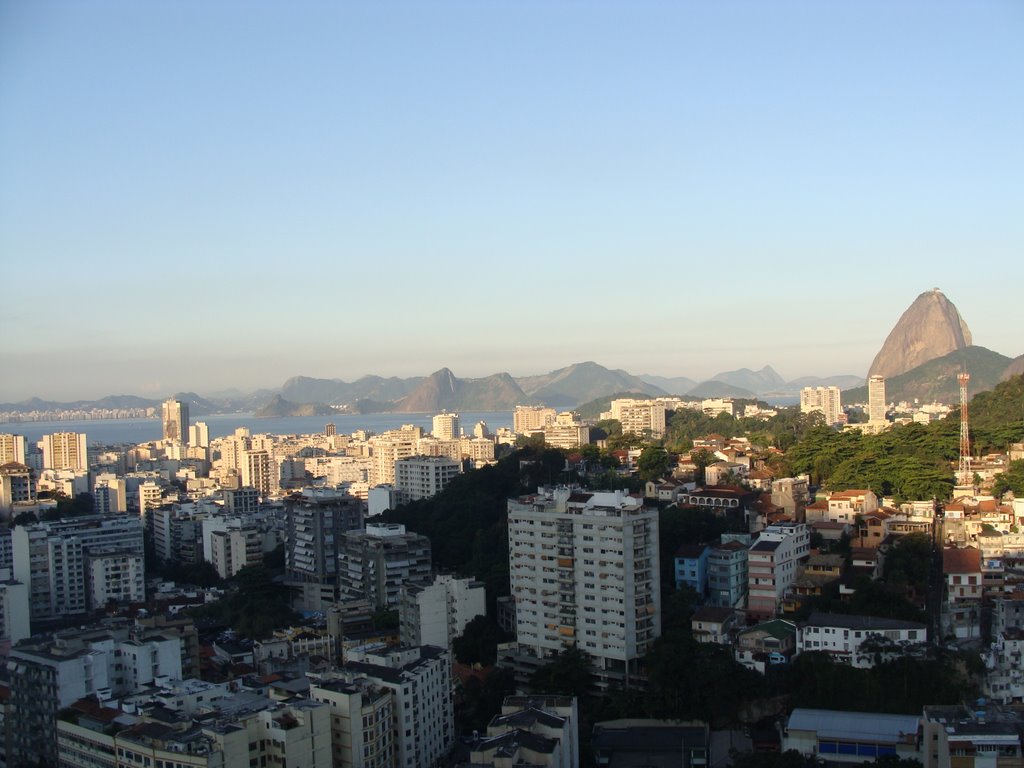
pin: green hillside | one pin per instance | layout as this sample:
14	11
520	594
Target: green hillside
936	380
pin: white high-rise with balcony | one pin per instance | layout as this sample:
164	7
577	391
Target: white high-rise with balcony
584	573
825	400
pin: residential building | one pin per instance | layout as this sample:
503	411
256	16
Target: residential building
51	672
14	613
958	737
537	730
765	644
713	406
243	729
12	449
1004	681
420	683
65	450
241	501
961	610
531	418
174	415
259	470
235	547
115	575
860	641
421	477
584	572
713	625
376	563
388	448
63	562
17	487
851	737
445	426
316	520
877	404
110	494
772	562
437	613
199	435
363	724
825	400
728	571
641	417
691	567
567	432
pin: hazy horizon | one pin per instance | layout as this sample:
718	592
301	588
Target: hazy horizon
203	196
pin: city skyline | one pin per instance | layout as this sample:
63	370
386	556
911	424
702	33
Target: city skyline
198	197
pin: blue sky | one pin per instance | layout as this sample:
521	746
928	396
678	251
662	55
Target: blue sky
201	195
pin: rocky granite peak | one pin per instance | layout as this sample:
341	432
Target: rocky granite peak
930	328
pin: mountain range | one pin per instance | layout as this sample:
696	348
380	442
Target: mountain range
929	344
564	388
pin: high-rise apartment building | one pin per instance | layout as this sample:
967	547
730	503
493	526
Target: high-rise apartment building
421	477
14	615
67	563
12	448
362	720
446	426
199	435
585	574
376	563
316	521
65	450
235	547
175	420
259	470
437	613
17	486
531	418
387	449
640	416
876	399
49	673
825	400
419	679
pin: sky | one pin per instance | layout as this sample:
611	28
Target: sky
201	196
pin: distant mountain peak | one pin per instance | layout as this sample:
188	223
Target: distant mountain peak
930	328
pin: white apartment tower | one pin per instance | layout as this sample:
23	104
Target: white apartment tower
437	613
199	435
421	477
531	418
446	426
825	400
640	416
65	450
584	573
259	471
876	399
12	449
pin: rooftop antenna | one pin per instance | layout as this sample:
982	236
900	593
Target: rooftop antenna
963	475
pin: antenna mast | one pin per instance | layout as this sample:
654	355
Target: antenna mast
964	475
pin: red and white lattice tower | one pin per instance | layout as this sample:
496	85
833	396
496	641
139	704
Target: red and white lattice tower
964	475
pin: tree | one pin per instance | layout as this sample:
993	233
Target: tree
653	463
1010	480
478	643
